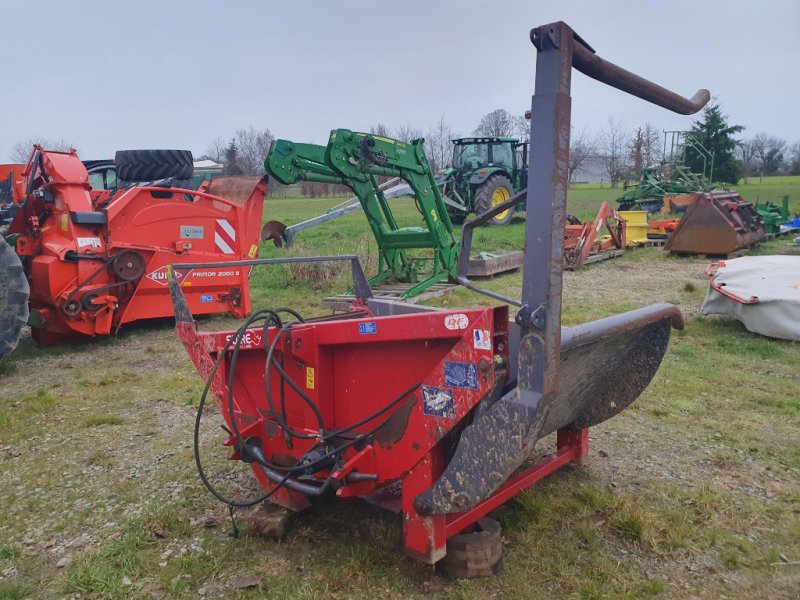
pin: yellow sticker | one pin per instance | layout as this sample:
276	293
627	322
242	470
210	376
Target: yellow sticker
65	222
310	378
383	139
433	214
253	251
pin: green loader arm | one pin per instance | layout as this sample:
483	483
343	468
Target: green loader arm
355	160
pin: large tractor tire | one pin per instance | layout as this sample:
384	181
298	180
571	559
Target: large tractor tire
153	165
495	190
13	298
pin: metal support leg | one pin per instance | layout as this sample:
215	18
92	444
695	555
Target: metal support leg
425	536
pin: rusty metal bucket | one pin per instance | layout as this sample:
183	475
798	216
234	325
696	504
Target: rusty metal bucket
717	224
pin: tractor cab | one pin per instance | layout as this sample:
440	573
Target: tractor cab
486	171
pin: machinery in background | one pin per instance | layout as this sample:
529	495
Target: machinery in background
356	160
583	241
773	215
717	224
96	259
434	411
486	171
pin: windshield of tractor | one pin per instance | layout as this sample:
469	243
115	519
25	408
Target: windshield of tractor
503	155
472	156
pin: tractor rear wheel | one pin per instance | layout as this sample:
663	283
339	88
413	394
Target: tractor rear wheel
13	298
495	190
153	165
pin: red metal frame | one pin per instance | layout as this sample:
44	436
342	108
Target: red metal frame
354	365
581	241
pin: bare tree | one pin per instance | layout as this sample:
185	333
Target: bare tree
769	151
252	148
498	123
406	133
746	154
522	128
581	147
794	159
439	145
614	147
216	150
22	150
381	130
644	148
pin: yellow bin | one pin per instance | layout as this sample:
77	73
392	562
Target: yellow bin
635	226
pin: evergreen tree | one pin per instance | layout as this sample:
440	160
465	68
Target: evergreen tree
231	159
714	133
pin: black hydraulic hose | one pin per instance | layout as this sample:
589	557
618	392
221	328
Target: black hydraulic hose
198	461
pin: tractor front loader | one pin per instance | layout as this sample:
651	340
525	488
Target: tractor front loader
355	160
435	411
96	259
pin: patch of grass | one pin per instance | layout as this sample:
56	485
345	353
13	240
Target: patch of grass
10	591
98	420
101	573
9	552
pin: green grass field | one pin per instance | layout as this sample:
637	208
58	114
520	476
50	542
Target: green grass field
694	491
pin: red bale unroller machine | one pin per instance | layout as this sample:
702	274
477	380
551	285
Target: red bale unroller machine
96	259
439	409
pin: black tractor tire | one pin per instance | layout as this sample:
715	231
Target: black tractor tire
477	552
486	191
153	165
14	293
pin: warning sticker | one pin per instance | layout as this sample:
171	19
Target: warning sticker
482	339
91	242
438	402
310	378
462	375
253	251
456	321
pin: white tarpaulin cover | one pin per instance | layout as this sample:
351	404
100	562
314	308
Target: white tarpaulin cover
765	294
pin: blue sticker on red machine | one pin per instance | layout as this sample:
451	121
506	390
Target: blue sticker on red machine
367	328
438	402
206	298
463	375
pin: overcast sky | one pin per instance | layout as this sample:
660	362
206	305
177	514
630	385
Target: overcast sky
156	74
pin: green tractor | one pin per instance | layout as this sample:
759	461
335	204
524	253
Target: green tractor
486	171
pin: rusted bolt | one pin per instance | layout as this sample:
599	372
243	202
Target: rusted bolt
484	366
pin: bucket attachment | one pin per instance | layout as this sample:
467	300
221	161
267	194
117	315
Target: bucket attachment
605	366
717	224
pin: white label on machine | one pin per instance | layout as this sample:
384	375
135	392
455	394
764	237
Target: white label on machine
192	232
225	236
456	321
90	242
482	339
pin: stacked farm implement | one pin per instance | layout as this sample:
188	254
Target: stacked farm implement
436	409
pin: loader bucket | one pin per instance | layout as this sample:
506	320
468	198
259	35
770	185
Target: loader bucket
717	224
605	366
